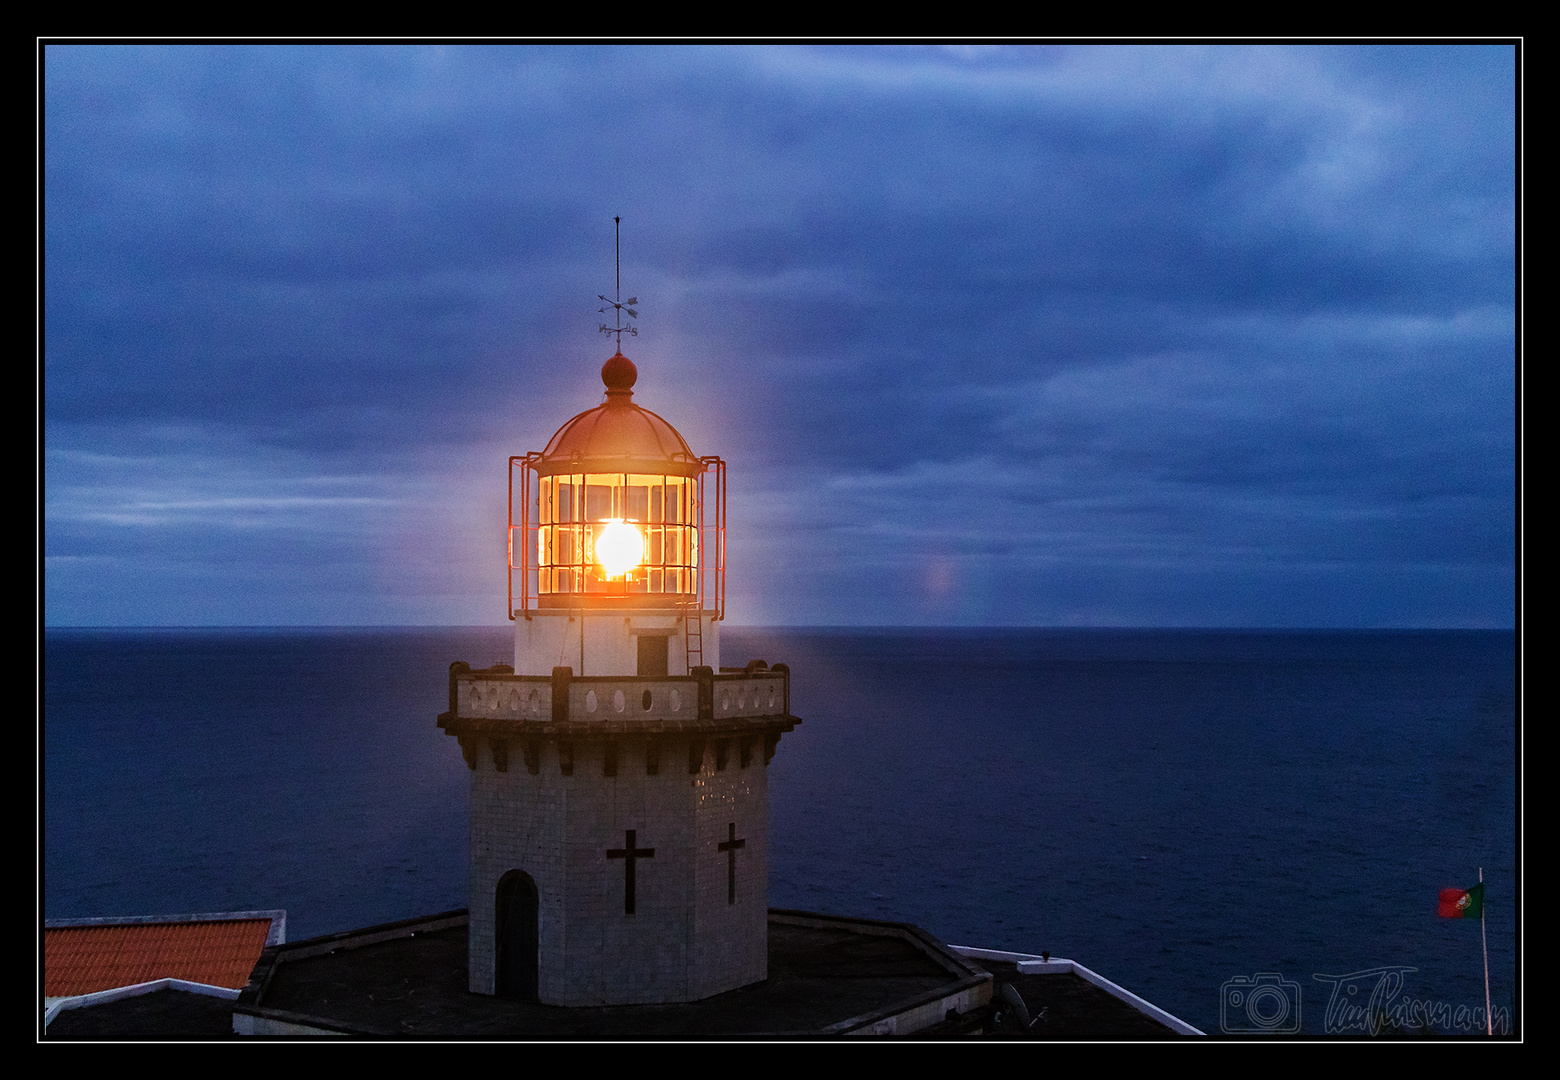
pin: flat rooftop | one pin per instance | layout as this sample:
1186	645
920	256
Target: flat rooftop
828	977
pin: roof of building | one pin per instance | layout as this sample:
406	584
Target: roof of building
828	977
164	1015
86	956
618	436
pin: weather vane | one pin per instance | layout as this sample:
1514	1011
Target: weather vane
619	308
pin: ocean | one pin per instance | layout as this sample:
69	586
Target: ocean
1182	811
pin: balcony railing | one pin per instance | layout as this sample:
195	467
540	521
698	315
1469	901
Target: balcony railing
737	696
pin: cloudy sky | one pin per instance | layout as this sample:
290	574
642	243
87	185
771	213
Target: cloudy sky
1051	335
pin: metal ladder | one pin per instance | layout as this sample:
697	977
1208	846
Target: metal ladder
693	636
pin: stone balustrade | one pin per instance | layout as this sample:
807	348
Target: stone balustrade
656	702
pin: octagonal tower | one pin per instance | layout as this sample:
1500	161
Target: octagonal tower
619	802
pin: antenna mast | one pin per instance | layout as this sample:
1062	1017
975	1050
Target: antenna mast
619	308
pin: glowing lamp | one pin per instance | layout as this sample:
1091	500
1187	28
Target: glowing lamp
619	548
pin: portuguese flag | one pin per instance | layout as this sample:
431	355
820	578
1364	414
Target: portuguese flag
1461	903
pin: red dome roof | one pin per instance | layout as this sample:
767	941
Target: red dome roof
618	436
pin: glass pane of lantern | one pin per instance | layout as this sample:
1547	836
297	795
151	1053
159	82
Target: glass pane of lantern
638	508
657	503
565	502
598	501
544	501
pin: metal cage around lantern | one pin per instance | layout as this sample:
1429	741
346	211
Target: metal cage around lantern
562	515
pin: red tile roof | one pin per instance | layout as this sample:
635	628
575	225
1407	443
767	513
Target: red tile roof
85	959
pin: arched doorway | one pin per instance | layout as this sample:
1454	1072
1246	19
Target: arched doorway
516	936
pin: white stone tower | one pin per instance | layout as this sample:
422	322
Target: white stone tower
619	804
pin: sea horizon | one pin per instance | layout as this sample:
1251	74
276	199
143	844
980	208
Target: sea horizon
1175	808
863	627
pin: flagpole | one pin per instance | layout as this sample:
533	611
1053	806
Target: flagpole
1489	1021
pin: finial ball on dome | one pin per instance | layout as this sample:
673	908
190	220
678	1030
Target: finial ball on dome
619	373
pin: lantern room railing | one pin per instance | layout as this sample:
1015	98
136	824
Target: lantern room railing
570	525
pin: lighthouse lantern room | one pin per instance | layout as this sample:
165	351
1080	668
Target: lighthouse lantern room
616	559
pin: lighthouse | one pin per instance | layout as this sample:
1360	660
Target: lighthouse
619	800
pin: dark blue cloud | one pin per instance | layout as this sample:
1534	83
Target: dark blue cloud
1150	334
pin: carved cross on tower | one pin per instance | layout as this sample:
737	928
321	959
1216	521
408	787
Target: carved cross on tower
730	846
628	853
